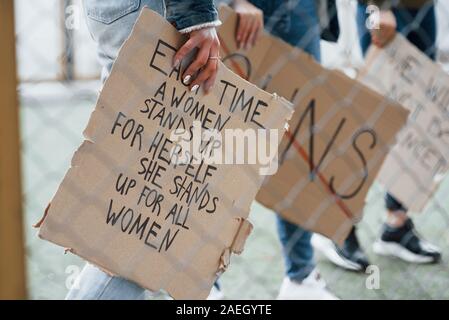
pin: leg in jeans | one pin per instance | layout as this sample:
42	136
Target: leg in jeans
296	22
297	249
94	284
110	25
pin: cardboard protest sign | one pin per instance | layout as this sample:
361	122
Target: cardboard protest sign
126	204
415	166
338	136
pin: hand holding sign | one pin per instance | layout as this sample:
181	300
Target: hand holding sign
385	32
203	69
250	23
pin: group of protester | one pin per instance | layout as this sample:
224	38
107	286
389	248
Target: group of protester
296	22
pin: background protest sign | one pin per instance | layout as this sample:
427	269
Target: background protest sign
416	164
125	205
338	136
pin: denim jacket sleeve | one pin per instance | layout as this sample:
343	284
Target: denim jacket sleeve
186	14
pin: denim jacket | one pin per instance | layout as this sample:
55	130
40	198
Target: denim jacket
110	22
186	15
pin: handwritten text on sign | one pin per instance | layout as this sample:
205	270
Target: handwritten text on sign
416	164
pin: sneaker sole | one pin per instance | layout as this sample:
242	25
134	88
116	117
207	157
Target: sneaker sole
326	247
395	250
304	292
307	296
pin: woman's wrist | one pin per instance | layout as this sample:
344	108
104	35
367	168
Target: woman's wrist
211	24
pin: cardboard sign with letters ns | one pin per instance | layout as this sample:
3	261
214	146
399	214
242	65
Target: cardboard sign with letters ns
419	160
337	138
126	205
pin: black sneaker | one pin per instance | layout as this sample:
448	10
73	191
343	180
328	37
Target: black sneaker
405	243
350	256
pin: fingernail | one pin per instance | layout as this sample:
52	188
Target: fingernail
194	88
186	79
176	63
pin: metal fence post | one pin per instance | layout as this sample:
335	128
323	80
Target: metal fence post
12	258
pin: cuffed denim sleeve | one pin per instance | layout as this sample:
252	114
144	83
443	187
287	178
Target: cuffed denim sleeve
188	13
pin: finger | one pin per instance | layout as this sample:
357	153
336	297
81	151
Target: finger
248	33
190	44
242	29
259	30
375	36
209	70
205	73
200	61
254	33
375	40
210	82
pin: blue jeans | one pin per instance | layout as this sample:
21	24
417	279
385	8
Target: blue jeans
296	22
94	284
419	27
109	29
110	25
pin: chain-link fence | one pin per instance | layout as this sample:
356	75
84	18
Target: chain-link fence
59	83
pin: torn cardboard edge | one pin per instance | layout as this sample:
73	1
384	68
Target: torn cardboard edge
73	163
41	220
244	230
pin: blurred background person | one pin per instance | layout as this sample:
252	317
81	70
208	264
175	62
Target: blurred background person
297	23
415	19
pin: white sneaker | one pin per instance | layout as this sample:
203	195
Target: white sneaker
350	257
311	288
216	294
